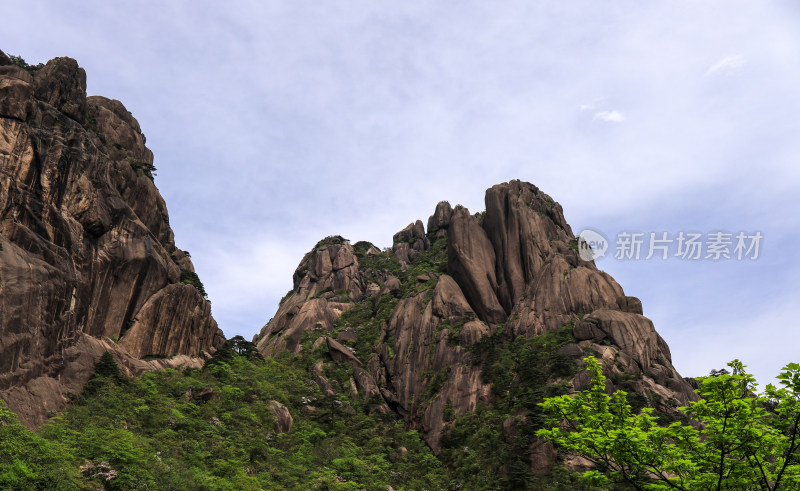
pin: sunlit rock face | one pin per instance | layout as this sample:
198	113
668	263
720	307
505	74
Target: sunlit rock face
86	249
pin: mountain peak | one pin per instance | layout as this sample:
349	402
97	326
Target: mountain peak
87	255
420	317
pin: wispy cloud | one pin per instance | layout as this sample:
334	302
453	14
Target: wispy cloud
596	104
610	116
727	65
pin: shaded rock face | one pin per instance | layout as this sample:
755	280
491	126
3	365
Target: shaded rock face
86	250
510	272
439	222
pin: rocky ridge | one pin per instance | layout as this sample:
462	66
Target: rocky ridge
87	255
435	328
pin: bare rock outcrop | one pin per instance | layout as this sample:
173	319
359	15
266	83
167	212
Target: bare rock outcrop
472	263
62	85
86	250
328	272
448	299
283	418
16	92
439	222
408	243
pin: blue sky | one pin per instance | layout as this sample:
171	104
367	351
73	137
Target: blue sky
275	124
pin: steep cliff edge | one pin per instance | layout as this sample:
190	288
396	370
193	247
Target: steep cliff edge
491	311
86	251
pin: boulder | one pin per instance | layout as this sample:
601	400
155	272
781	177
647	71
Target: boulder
472	332
283	418
410	242
630	304
448	299
347	336
543	454
571	350
340	353
634	334
587	330
440	219
16	92
62	84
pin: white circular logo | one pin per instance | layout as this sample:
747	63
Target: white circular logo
591	245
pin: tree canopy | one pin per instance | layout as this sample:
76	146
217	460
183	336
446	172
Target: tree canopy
737	439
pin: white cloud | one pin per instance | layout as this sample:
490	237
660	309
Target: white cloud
727	65
610	116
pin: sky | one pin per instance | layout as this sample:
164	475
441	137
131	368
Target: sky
277	123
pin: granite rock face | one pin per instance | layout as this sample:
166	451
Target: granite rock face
512	271
86	250
325	276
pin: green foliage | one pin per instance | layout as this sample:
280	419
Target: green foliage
431	263
235	346
214	429
106	371
361	247
741	441
331	240
522	371
382	262
435	385
190	278
286	297
366	318
90	122
434	260
106	366
17	60
28	461
142	169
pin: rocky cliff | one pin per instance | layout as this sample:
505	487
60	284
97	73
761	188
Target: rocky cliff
489	310
88	261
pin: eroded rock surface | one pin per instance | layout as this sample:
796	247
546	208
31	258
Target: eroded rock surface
86	250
